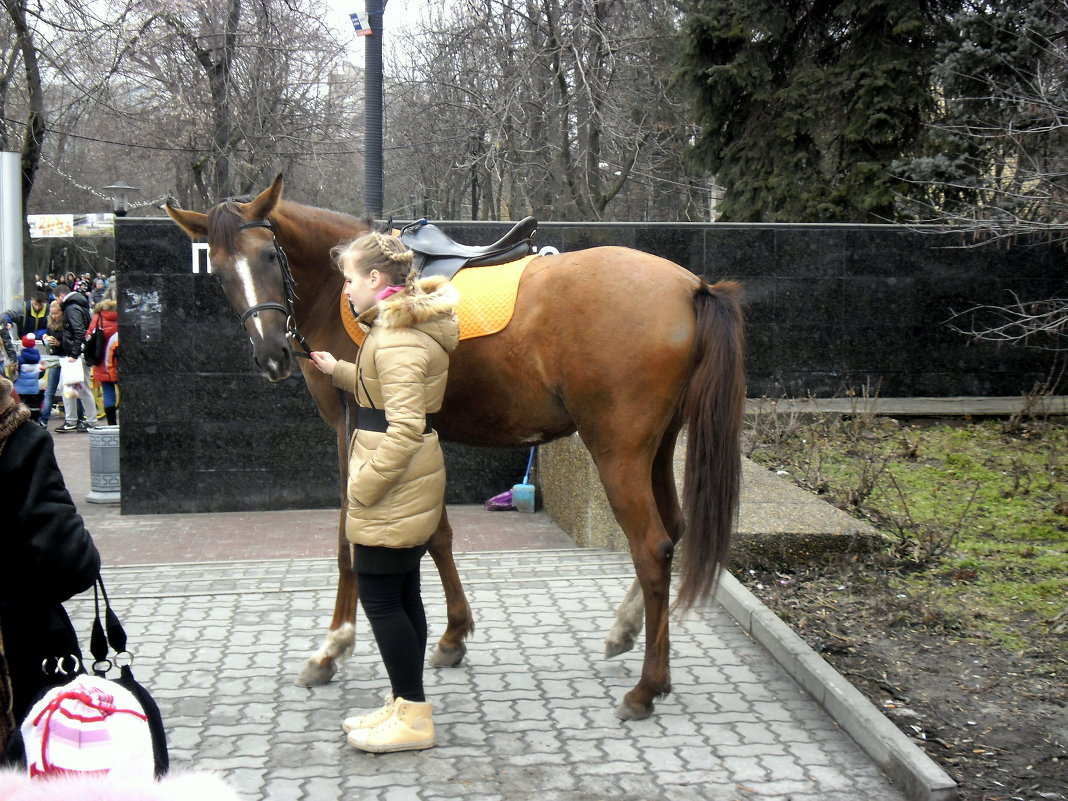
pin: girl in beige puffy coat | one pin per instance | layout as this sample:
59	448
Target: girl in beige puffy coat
396	483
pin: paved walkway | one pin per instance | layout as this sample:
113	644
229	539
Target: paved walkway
223	609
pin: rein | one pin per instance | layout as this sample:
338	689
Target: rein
289	284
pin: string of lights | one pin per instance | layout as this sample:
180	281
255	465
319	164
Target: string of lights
289	154
93	191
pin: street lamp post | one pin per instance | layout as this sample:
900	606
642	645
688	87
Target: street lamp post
373	111
120	197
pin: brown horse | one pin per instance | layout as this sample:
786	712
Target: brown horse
622	346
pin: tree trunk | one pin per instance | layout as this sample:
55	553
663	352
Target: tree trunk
33	136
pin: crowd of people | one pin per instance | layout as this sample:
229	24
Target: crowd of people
52	328
79	751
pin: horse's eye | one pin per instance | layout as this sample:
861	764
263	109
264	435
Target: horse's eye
271	256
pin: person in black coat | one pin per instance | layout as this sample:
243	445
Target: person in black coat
76	318
48	557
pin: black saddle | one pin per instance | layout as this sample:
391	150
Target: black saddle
437	254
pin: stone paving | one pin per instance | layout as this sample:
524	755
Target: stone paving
528	715
223	609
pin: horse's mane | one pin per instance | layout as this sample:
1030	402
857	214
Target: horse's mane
224	220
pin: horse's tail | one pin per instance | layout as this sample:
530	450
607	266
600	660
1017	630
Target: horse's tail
713	408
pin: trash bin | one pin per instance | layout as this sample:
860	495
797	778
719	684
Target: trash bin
104	465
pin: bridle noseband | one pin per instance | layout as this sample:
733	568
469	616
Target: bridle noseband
289	285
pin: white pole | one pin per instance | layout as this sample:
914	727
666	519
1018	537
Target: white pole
11	223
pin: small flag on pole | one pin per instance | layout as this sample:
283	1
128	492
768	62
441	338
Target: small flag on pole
360	30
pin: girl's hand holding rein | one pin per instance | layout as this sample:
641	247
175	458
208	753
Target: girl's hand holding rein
324	361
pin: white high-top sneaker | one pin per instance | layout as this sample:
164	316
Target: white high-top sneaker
409	728
371	719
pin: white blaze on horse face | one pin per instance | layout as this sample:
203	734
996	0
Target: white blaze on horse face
244	275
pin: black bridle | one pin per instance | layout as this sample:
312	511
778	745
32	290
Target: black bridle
289	285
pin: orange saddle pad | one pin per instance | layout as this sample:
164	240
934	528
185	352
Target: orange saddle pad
487	300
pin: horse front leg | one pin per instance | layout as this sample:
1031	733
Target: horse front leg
451	649
341	637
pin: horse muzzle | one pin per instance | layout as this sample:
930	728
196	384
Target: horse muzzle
274	358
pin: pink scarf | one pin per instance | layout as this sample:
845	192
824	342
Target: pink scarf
389	290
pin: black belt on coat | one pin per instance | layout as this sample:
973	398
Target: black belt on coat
368	419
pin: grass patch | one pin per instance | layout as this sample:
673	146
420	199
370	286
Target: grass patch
977	512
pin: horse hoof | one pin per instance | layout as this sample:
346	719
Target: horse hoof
617	647
447	657
316	674
627	712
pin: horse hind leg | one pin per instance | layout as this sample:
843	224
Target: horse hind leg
625	475
624	632
630	615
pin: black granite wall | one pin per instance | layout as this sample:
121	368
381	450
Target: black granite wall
202	429
833	307
828	307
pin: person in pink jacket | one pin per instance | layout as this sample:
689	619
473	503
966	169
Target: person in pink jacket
106	374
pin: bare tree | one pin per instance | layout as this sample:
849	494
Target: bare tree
57	59
24	49
555	107
501	107
1041	324
247	92
197	99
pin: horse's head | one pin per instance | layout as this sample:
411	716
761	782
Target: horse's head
250	266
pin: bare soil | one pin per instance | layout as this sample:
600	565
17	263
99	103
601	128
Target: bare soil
996	721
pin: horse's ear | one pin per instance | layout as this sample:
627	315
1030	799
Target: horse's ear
192	222
262	205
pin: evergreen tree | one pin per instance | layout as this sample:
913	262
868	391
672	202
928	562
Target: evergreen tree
997	161
804	104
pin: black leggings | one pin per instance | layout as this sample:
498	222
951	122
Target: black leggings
34	403
394	606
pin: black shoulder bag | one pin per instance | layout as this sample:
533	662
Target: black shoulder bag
112	633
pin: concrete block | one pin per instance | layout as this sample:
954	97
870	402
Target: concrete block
778	523
573	496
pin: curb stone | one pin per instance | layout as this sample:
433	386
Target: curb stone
916	773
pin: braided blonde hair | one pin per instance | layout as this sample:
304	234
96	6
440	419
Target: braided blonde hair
375	251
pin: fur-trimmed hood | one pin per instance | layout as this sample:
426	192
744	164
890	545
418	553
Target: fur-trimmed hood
11	414
106	305
430	307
